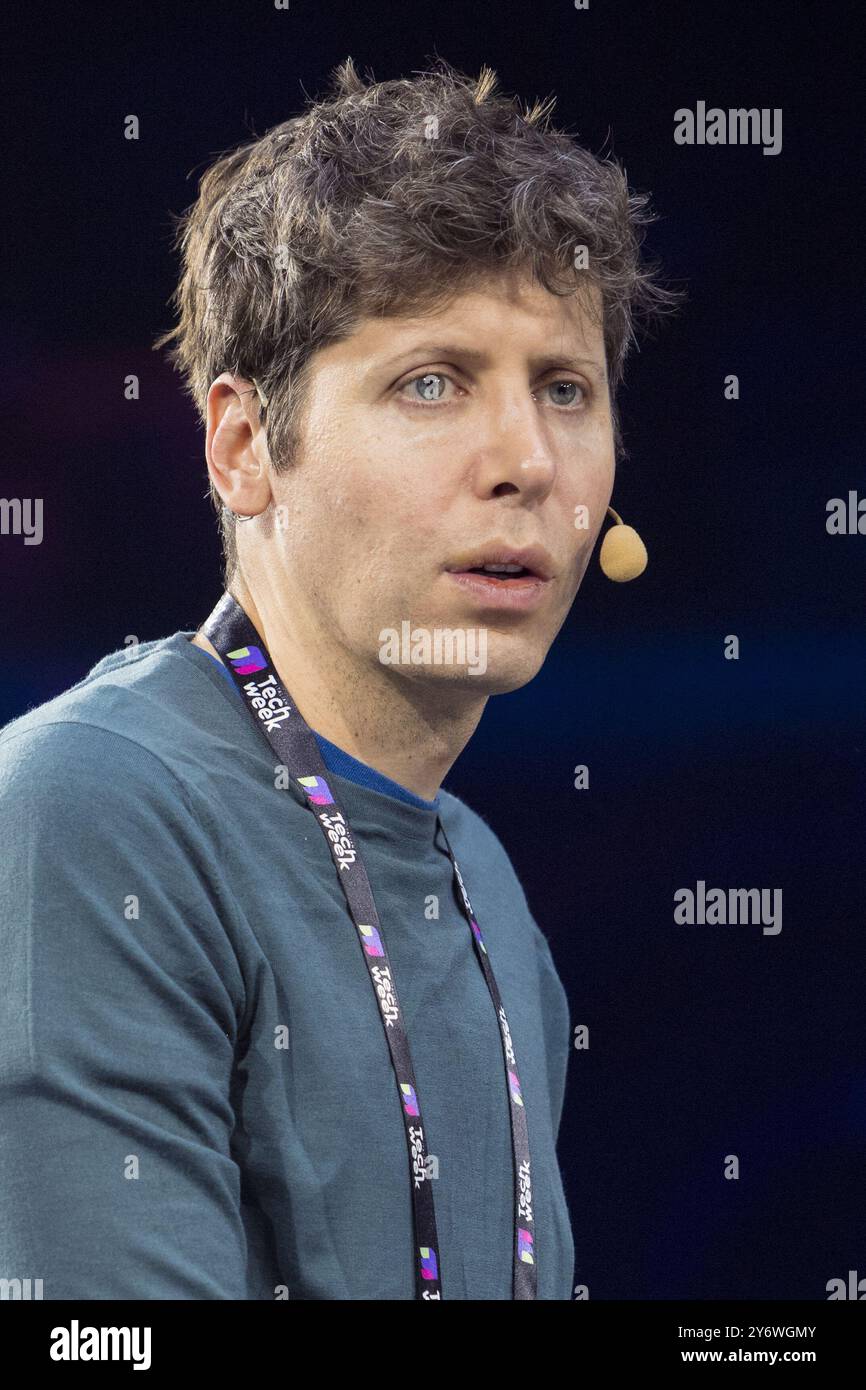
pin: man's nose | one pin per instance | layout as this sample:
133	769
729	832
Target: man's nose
513	452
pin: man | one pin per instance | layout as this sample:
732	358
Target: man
277	1021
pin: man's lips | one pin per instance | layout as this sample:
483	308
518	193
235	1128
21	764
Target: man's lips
533	560
518	592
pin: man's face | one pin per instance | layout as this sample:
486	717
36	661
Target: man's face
432	444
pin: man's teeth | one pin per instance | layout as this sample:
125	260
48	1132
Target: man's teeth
501	569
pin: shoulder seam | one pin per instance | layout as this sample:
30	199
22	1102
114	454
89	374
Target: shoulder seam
94	675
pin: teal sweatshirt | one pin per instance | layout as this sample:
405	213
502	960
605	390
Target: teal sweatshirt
196	1095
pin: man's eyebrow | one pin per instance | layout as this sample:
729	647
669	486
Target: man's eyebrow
549	361
552	361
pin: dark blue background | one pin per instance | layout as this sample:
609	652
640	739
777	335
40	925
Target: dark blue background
705	1040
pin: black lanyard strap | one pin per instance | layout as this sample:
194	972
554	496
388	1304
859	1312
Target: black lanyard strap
245	656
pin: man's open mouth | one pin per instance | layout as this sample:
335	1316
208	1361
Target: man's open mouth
501	573
504	565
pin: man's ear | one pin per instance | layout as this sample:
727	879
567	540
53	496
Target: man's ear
236	445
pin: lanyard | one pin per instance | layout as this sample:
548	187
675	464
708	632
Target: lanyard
235	638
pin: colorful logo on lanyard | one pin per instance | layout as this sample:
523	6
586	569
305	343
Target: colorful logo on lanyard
372	941
476	932
319	791
410	1099
246	660
514	1084
229	624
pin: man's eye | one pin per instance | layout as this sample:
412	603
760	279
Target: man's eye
428	387
565	392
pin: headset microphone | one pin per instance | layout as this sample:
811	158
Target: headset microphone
623	554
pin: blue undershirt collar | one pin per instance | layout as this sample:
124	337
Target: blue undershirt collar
342	764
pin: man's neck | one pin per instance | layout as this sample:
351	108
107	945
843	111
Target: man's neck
410	733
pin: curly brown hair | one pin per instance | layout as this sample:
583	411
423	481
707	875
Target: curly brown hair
385	198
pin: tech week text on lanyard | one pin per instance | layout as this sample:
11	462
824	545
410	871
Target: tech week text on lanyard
240	646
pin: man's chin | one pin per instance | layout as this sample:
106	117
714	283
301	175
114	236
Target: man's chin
480	659
481	676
